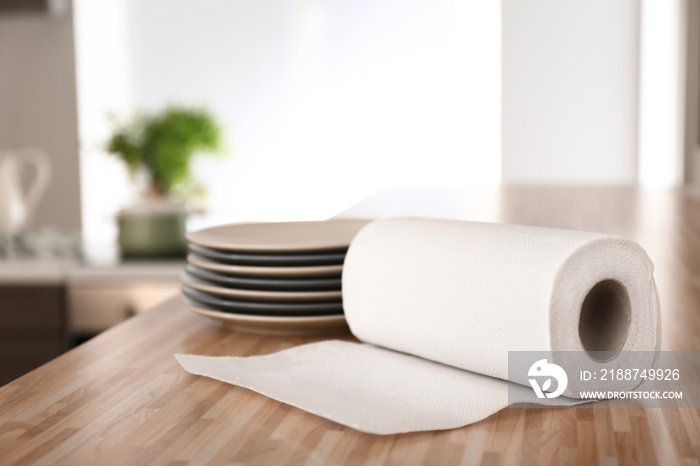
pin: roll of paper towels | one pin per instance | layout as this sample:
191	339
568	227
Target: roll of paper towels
438	305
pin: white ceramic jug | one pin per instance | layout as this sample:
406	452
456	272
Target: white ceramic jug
17	204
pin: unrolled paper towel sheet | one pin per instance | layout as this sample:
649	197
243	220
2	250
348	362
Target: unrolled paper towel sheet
438	305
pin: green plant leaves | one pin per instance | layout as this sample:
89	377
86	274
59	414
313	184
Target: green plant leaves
164	144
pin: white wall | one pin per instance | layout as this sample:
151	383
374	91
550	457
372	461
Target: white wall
38	108
328	101
103	72
570	91
662	80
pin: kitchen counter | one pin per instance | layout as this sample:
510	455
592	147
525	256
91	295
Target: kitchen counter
121	398
56	272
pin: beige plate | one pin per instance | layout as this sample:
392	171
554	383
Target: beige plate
260	295
279	237
262	271
273	325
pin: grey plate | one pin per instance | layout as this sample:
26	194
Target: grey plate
273	325
265	296
262	308
270	284
273	259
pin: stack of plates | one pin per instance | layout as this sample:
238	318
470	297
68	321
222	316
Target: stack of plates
270	277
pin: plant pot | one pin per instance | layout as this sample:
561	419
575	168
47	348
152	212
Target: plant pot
153	230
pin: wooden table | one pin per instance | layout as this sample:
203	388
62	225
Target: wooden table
121	398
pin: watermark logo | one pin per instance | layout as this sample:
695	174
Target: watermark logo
542	369
647	379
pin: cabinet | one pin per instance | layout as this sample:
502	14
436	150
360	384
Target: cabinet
47	307
97	305
101	297
32	327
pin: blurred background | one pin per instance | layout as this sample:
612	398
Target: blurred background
320	104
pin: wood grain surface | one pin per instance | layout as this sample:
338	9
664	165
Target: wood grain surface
121	398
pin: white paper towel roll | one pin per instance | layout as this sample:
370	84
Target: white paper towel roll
439	304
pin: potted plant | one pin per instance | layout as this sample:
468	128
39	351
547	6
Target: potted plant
161	147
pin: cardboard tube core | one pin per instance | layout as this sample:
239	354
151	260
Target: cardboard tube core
605	320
